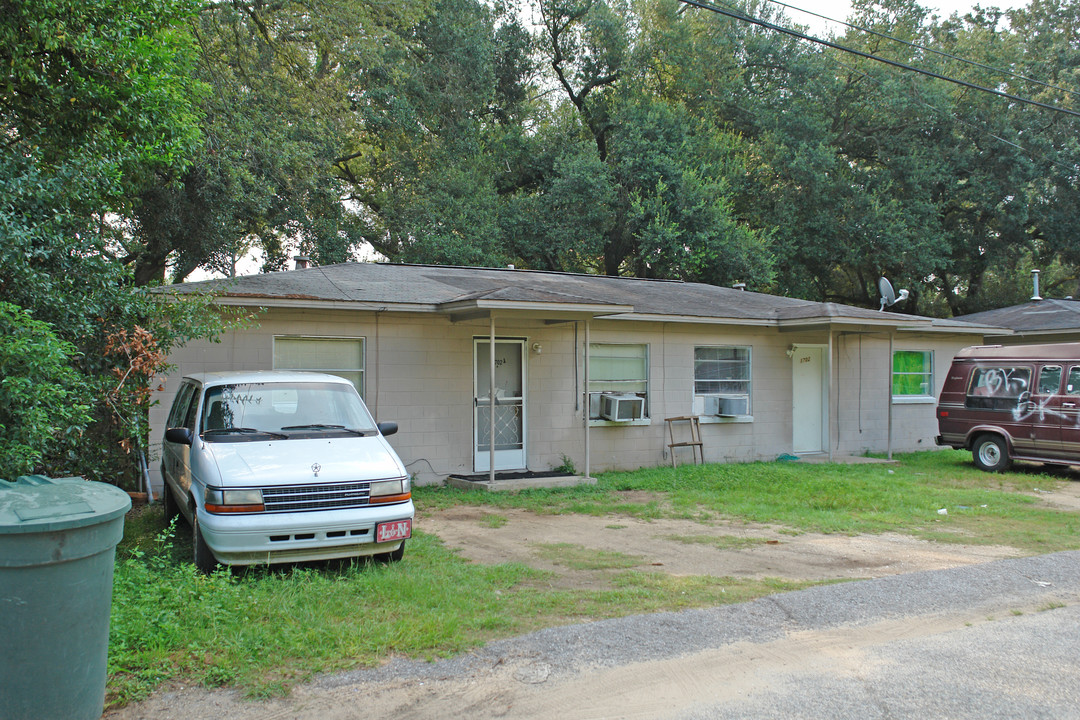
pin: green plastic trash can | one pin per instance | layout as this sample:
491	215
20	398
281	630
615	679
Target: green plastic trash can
57	548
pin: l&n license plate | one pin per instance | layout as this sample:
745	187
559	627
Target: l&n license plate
395	530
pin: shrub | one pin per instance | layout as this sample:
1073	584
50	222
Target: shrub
43	400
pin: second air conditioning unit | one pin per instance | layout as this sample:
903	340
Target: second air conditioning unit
622	408
727	405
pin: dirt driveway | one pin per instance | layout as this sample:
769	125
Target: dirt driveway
564	544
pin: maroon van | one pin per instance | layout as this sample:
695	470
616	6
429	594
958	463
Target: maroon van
1019	402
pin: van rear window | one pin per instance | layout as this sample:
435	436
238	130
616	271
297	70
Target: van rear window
998	388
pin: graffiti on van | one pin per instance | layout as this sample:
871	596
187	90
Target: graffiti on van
994	387
998	388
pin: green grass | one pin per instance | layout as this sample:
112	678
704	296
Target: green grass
577	557
494	521
983	508
264	630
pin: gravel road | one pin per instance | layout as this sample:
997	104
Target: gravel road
994	640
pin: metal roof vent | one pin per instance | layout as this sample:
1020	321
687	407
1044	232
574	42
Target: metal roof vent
739	286
1035	284
303	262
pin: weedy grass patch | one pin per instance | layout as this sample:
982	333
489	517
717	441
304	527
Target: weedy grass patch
265	629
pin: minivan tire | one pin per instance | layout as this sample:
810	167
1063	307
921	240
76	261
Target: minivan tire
393	556
205	562
991	453
172	510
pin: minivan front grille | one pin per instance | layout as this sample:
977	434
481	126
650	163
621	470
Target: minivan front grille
316	497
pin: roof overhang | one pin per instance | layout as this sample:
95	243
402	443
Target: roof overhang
869	324
320	304
473	309
695	319
1030	333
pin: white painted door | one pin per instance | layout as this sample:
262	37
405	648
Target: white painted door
808	406
509	405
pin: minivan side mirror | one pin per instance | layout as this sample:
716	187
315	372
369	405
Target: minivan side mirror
388	428
180	436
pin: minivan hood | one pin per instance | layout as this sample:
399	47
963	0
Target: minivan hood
309	460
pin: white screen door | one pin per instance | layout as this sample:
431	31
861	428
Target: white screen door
509	405
808	406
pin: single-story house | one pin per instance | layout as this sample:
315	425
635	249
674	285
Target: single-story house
586	368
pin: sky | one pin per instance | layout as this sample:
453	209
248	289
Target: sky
839	9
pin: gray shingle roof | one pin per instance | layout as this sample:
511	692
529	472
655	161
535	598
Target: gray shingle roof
1049	315
430	287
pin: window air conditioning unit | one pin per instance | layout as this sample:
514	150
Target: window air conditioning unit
727	405
622	408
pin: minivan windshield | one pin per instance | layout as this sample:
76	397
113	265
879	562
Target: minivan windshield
282	409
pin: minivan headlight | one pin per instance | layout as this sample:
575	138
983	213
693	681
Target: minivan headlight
223	500
390	491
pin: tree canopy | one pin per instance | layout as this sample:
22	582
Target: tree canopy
647	138
148	139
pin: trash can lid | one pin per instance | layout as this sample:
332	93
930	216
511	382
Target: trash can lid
35	503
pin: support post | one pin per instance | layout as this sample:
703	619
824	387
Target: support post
586	404
491	399
888	398
828	397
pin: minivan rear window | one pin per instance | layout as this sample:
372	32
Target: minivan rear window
998	388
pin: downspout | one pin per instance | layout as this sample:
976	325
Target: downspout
829	369
586	405
491	399
889	379
375	409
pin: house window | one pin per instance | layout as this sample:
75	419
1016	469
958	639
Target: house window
343	357
913	374
722	380
618	382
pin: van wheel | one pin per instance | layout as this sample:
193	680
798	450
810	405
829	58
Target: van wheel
393	556
991	453
205	562
172	510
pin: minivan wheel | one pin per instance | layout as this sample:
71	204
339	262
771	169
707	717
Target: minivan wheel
172	510
991	453
205	562
392	556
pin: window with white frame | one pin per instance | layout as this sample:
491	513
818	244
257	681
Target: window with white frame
618	382
722	381
912	374
343	357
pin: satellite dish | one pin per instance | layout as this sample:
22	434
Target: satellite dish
888	295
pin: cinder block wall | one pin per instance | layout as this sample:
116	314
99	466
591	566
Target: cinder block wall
419	373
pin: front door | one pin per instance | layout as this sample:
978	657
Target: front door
808	405
1043	411
1070	414
509	405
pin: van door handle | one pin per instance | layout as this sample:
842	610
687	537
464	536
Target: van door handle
1068	405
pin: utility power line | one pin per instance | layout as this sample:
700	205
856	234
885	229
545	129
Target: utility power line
903	66
916	46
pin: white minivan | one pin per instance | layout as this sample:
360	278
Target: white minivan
277	466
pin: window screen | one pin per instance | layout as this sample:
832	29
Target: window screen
617	369
343	357
913	374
